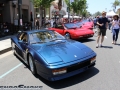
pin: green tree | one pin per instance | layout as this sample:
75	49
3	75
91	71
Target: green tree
85	13
42	4
79	6
97	14
115	4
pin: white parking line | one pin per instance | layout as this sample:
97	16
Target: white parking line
10	71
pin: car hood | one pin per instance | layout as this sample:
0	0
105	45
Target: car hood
64	51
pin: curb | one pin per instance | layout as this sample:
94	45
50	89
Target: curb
5	50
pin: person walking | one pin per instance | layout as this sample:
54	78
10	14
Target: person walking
102	23
37	24
115	28
95	22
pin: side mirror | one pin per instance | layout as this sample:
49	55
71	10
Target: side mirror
20	41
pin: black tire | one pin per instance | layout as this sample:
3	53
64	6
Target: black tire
67	36
32	65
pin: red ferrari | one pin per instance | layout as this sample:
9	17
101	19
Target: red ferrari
72	31
85	24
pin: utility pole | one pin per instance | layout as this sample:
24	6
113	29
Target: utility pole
20	15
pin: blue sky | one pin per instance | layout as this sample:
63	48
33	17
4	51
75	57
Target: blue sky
99	5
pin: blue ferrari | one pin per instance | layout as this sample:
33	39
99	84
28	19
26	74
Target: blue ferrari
51	55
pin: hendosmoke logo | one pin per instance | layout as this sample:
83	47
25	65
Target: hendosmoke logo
21	87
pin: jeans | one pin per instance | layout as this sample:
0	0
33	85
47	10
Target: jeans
115	34
110	26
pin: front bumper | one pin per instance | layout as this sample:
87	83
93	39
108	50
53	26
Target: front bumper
66	75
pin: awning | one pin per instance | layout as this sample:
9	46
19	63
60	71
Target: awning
111	13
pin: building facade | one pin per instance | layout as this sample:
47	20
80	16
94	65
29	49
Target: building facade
9	11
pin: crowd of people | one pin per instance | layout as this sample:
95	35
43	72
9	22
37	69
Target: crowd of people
47	23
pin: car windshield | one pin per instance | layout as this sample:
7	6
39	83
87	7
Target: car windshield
71	25
44	36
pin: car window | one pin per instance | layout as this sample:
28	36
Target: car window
59	26
71	25
44	36
23	37
20	36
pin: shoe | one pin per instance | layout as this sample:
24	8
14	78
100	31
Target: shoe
100	45
97	46
113	42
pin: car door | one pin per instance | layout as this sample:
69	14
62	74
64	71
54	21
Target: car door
60	29
24	45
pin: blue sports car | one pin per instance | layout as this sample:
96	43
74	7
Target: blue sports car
51	55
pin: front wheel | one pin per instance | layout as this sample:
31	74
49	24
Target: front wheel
32	65
67	36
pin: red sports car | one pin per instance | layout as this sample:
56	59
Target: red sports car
85	24
72	31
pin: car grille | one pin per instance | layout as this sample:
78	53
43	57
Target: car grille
78	66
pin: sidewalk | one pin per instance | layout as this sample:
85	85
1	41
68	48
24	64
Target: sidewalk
5	44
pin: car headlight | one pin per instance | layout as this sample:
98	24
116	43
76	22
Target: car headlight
59	71
93	60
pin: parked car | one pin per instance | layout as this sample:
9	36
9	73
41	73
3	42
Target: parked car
73	31
51	55
85	24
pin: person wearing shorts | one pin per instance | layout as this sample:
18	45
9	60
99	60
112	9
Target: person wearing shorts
101	32
102	23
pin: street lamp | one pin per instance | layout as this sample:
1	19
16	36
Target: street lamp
14	6
20	15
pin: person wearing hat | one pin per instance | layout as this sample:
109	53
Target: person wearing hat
102	23
115	27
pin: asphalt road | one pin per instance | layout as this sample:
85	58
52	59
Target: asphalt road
104	76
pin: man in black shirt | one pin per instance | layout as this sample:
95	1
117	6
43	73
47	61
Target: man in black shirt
102	23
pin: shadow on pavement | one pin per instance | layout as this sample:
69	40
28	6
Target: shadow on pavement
118	44
86	40
109	47
71	80
68	81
